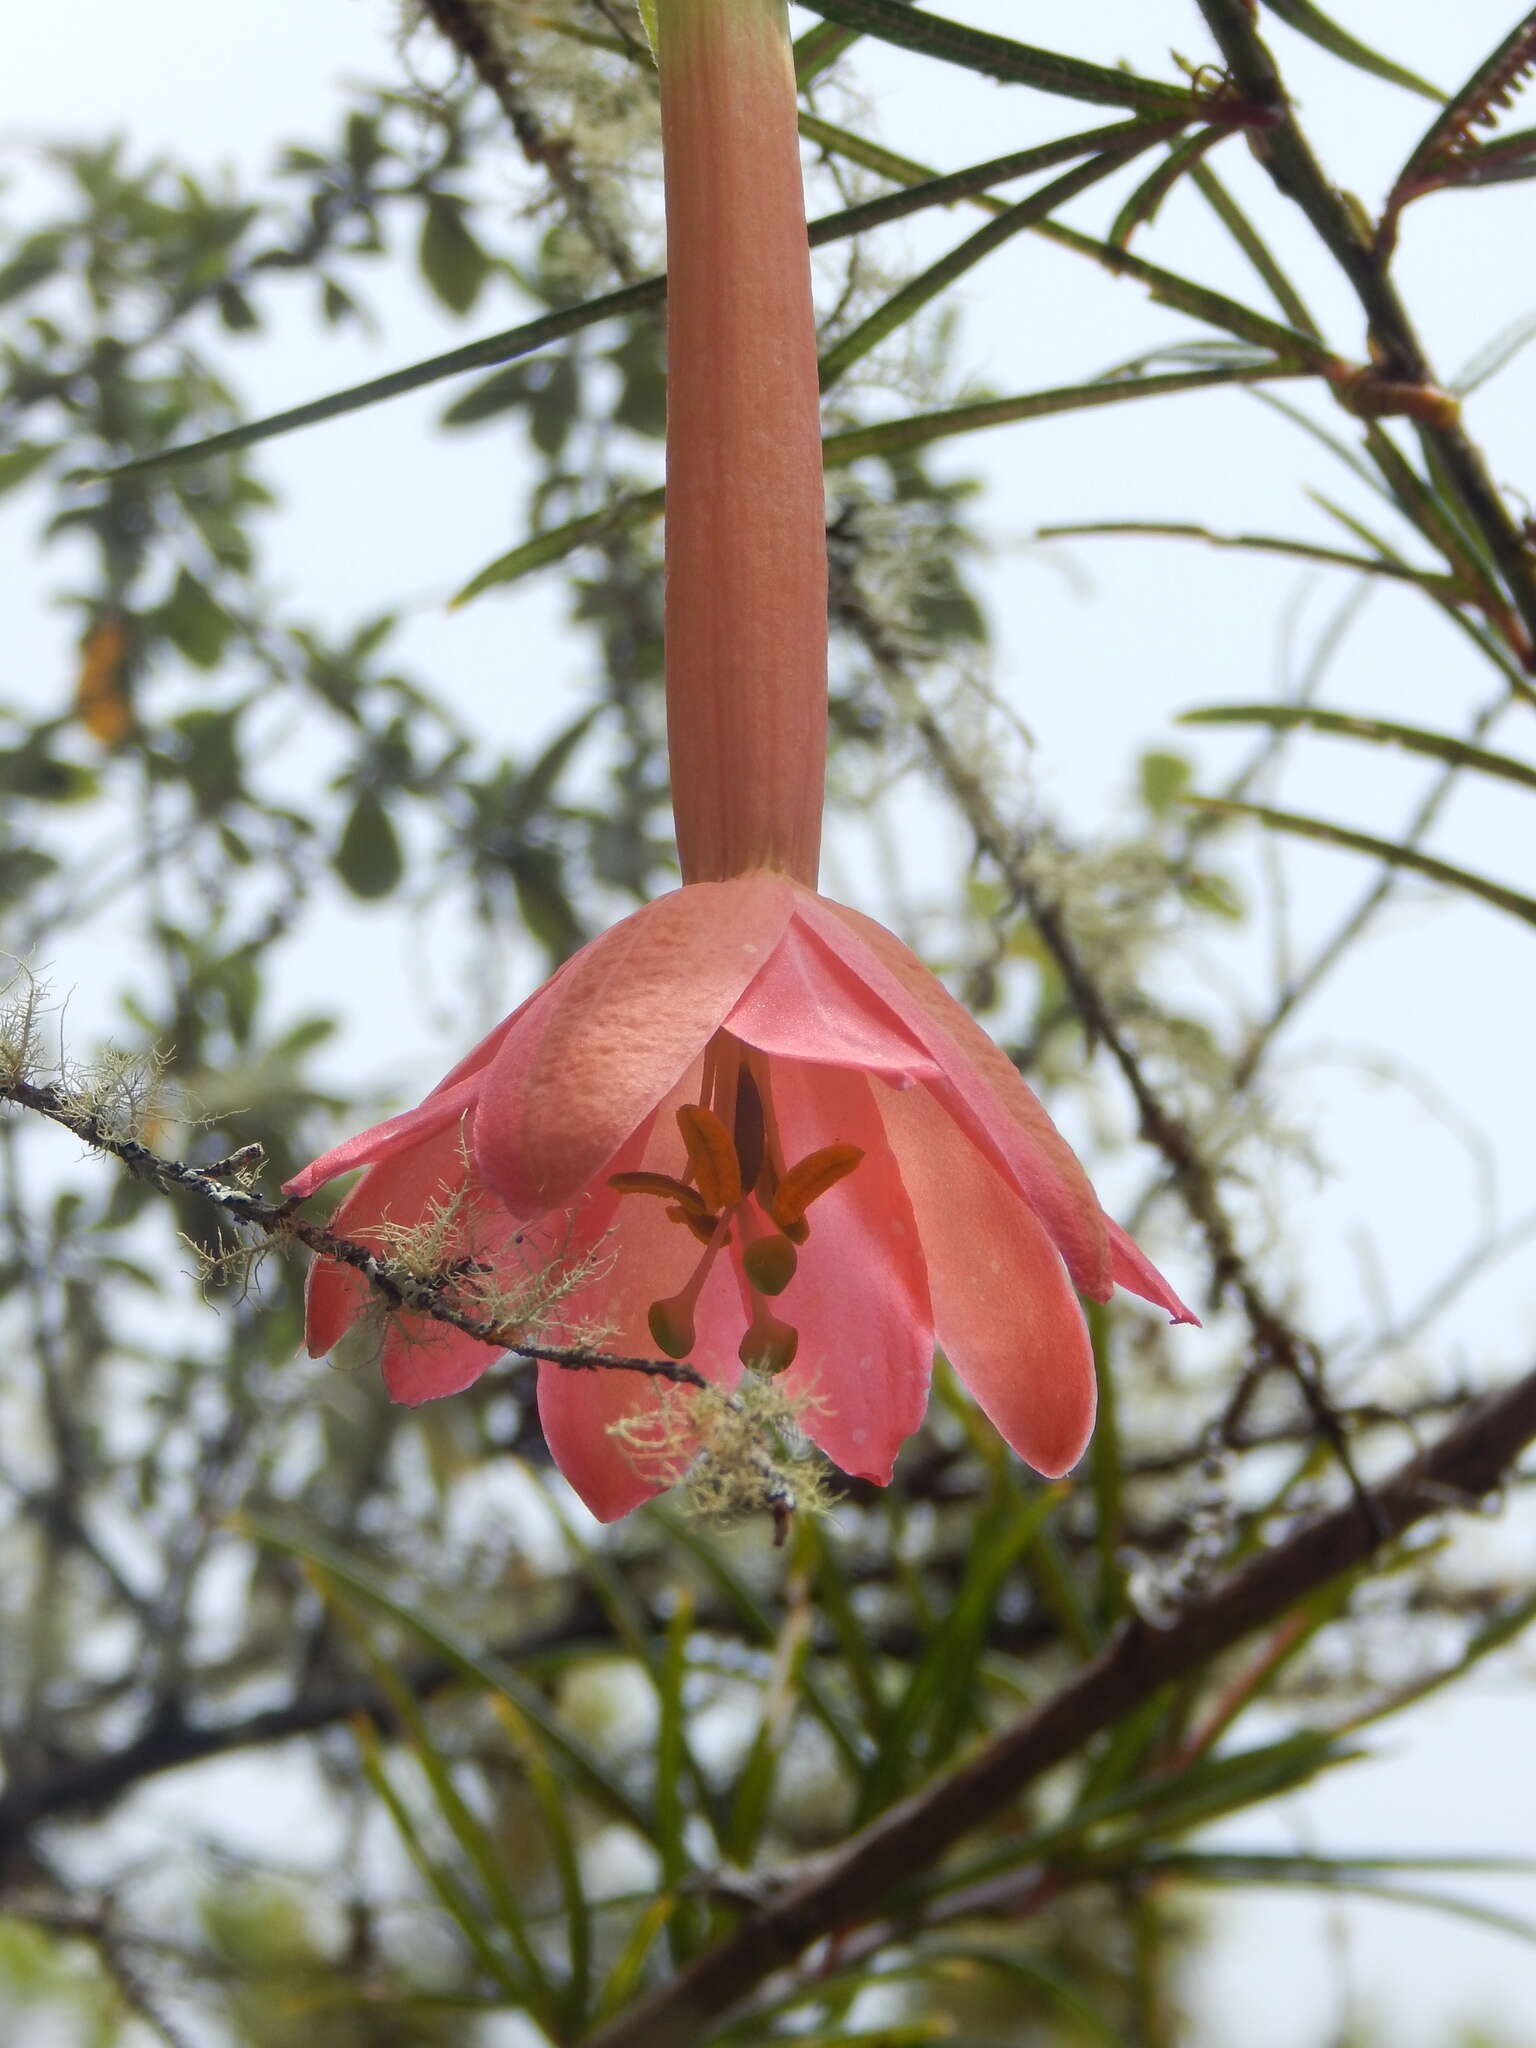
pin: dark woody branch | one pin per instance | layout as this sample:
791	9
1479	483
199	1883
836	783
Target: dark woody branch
1469	1463
400	1286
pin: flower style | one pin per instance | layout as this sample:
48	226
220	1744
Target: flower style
750	1123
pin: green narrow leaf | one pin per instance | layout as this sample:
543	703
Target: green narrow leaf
1198	301
1438	746
1386	850
560	541
673	1757
555	1810
479	1851
817	1547
1255	248
1488	88
895	437
919	190
1495	355
931	35
482	1667
1318	1874
1253	543
903	305
1141	209
452	261
819	49
1311	22
623	1980
1106	1468
635	1628
759	1624
1501	1629
505	347
440	1880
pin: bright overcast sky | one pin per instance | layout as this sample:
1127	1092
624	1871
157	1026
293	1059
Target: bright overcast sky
1098	661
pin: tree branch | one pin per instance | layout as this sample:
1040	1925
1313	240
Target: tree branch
1470	1461
1399	357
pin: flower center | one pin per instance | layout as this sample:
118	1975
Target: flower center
736	1189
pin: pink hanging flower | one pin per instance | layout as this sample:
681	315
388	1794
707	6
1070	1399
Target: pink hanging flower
787	1146
748	1119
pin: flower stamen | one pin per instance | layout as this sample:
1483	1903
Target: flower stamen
810	1178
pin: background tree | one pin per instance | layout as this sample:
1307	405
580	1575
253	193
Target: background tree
551	1773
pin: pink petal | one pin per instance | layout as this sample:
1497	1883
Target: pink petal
980	1085
809	1004
400	1190
860	1295
634	1012
447	1101
423	1360
645	1258
1006	1314
398	1134
1135	1272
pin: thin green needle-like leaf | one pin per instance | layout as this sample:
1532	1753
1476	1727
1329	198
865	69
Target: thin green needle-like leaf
512	343
672	1756
1438	746
903	305
818	1547
635	1628
471	1836
1107	1469
1508	160
1489	88
1319	1876
944	1675
752	1790
931	35
559	542
1311	22
555	1810
1495	355
1253	543
623	1980
1386	850
892	437
975	179
759	1623
1496	1633
1108	1829
1255	248
1197	300
819	49
887	437
481	1667
492	350
1141	209
442	1881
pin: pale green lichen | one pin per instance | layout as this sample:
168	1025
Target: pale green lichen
733	1454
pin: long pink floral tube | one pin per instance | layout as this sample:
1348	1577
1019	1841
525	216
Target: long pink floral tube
748	1121
746	529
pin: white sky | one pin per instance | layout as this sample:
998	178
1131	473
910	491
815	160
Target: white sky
1445	987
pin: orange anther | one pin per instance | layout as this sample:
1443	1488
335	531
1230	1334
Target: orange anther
805	1181
711	1155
